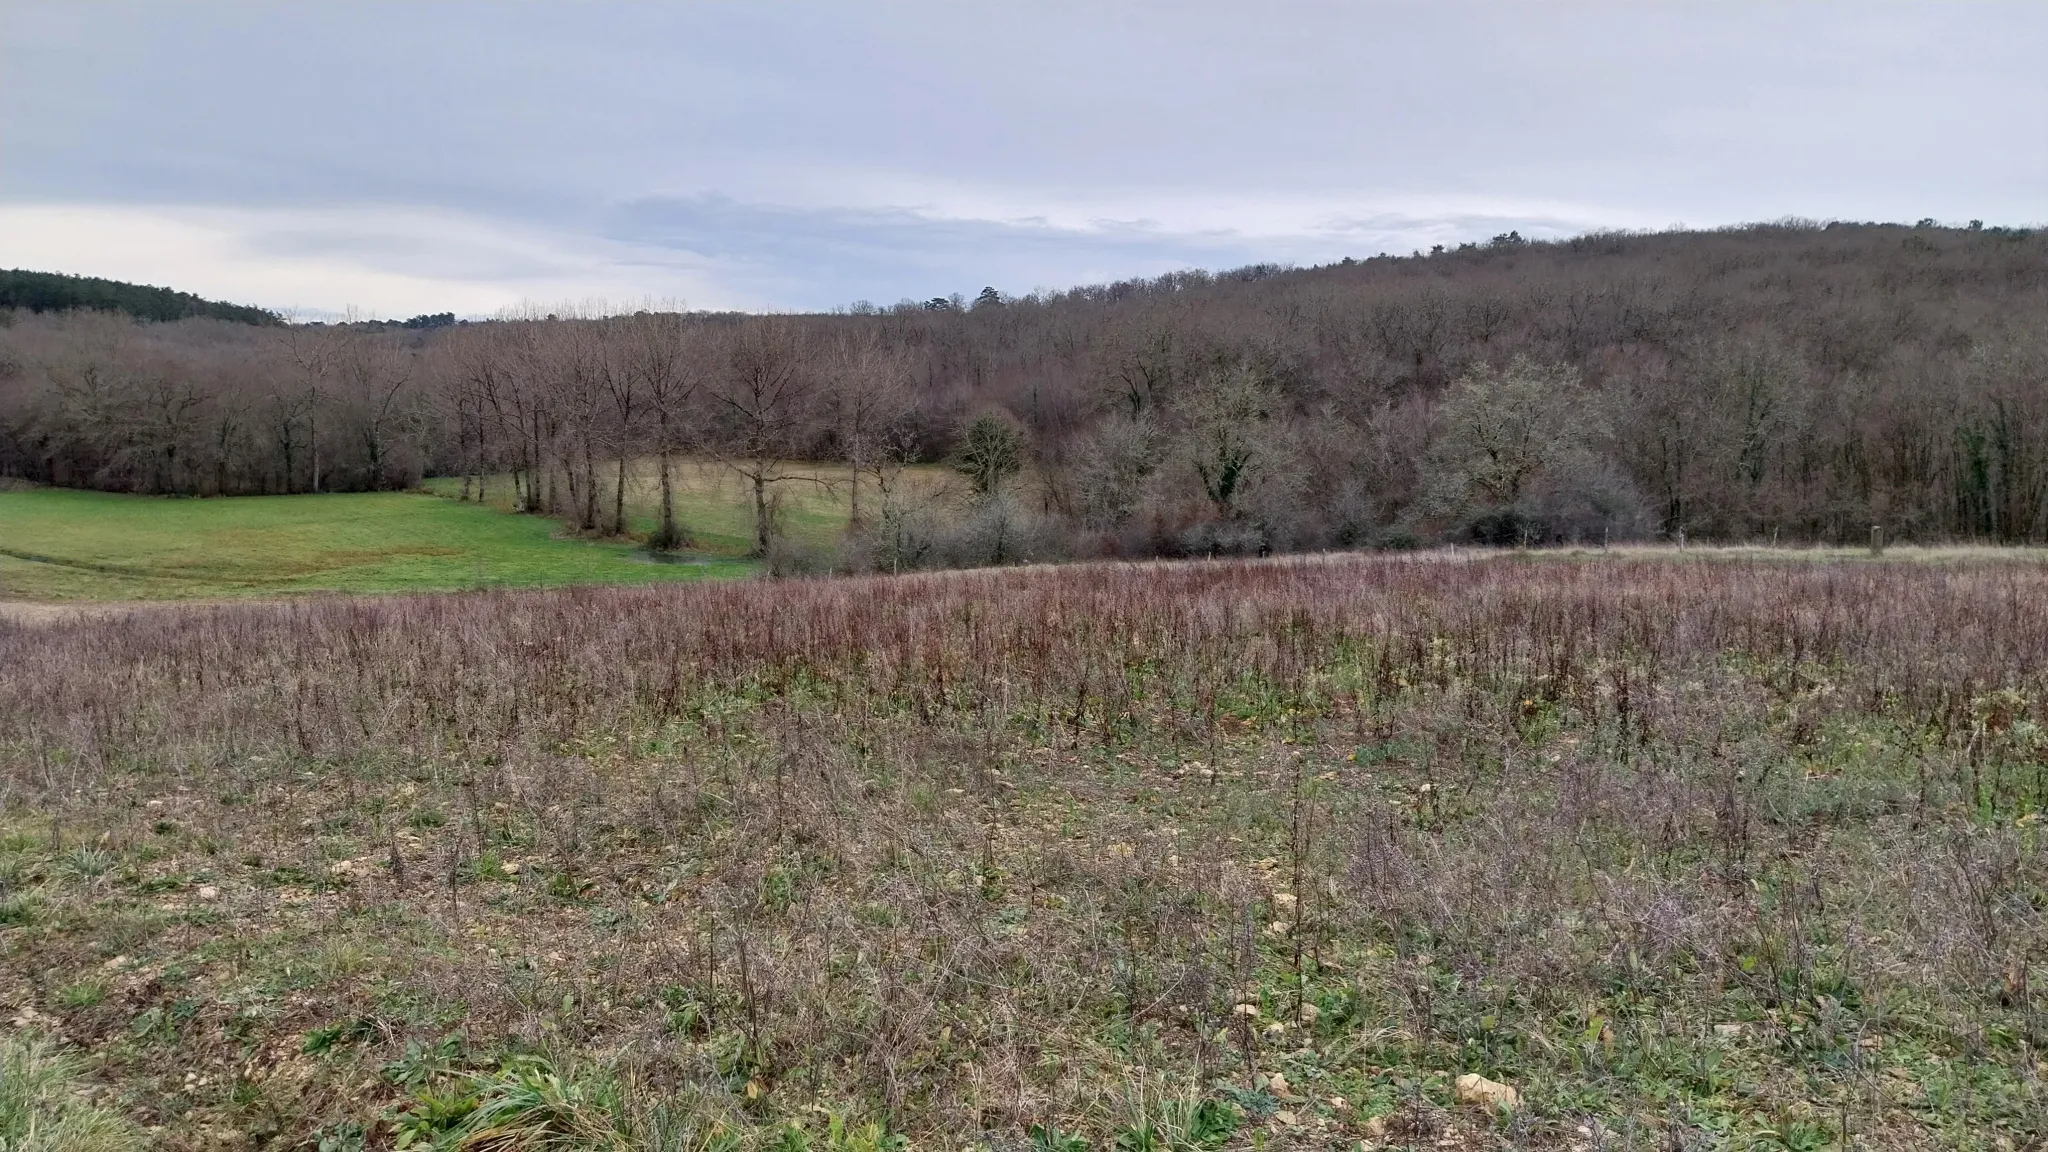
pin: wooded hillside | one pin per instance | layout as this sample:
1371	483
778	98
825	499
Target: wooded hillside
1789	380
56	292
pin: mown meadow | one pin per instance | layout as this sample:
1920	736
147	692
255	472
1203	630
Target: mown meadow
68	545
1674	854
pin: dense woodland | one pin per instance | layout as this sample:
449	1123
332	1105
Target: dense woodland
1788	381
56	292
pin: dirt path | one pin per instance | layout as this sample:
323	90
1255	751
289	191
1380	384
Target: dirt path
36	612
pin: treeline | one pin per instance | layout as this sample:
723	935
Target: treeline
56	292
1787	381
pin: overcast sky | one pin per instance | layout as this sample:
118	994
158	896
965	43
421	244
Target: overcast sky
430	156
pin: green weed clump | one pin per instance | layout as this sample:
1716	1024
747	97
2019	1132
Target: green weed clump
1394	852
523	1105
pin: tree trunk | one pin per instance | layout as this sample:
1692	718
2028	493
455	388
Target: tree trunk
589	486
472	456
619	501
668	536
760	479
538	500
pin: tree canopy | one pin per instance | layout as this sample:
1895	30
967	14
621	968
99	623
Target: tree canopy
58	292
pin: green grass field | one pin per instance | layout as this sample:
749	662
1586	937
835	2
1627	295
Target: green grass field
68	545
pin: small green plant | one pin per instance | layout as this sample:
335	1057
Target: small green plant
1212	1123
163	1025
686	1013
1048	1138
1145	1137
435	1117
487	866
1254	1102
330	1036
83	994
17	909
347	1136
567	888
88	863
778	890
525	1104
841	1135
421	1063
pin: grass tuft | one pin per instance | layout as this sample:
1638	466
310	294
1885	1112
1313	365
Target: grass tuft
43	1105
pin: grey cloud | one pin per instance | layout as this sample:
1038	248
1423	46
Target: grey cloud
684	123
826	257
884	252
445	253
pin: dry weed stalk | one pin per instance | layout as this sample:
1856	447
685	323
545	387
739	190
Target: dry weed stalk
1699	848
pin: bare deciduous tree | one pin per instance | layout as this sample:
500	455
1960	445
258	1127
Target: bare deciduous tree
871	401
663	356
767	397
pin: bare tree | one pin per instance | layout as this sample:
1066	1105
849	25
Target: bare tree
315	351
767	398
871	399
662	356
578	384
622	389
1110	471
375	373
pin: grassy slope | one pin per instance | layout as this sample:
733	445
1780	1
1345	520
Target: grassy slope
68	545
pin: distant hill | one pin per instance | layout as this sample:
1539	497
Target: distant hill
57	292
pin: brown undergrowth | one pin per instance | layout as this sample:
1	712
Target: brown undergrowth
1140	857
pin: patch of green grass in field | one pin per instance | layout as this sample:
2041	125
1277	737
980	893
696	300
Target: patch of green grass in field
714	504
57	544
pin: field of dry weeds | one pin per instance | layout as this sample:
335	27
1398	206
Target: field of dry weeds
1617	853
